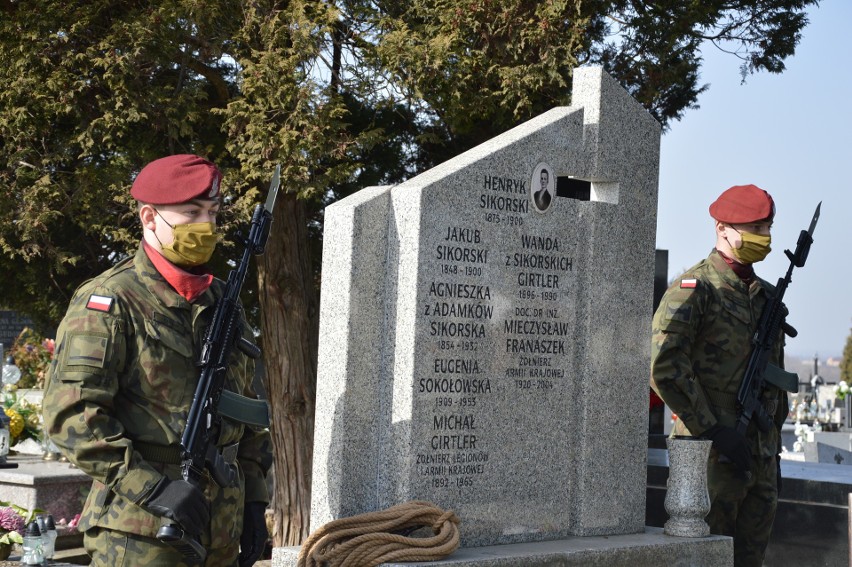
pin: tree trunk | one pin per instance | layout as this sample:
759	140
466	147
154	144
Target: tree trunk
289	324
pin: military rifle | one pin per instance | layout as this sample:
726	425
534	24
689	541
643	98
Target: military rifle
198	442
759	371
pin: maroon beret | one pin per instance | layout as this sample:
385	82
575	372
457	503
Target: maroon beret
176	179
742	204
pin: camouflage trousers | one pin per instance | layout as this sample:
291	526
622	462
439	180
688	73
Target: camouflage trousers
743	509
109	548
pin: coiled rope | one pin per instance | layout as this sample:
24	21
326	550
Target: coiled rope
370	539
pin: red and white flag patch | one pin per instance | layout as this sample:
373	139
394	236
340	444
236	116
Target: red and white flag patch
688	283
99	303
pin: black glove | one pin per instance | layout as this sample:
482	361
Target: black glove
254	536
181	502
731	444
778	482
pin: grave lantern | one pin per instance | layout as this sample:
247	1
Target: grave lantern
11	373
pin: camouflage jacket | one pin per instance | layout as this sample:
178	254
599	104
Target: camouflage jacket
124	373
701	343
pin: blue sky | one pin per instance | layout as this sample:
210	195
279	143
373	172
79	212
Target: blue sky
790	134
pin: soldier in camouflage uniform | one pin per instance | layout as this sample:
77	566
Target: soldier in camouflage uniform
124	376
700	348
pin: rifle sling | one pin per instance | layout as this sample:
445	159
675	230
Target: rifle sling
244	410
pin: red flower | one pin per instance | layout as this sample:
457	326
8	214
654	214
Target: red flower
654	401
74	521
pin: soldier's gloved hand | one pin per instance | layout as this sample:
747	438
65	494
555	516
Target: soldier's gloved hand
731	444
778	481
254	536
181	502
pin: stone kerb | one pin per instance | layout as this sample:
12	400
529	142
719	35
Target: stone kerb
489	356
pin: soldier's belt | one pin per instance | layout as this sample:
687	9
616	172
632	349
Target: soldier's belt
721	400
725	401
166	454
171	454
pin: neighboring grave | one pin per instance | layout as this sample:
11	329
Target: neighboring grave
485	346
11	325
56	487
816	452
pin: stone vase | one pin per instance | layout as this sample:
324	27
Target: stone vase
687	500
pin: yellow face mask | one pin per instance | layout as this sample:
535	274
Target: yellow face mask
193	244
754	247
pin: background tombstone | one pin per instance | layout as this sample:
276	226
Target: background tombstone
485	347
11	325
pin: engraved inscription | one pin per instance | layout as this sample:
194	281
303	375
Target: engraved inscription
495	318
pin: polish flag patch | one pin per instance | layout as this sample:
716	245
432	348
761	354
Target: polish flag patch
99	303
688	283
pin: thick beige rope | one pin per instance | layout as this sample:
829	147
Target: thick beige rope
370	539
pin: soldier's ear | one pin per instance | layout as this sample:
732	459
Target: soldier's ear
147	213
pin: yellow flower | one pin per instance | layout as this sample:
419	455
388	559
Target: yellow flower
16	426
33	421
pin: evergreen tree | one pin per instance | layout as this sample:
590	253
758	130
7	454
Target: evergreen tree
846	362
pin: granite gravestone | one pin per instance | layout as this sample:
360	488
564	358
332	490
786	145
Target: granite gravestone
484	330
484	344
11	325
